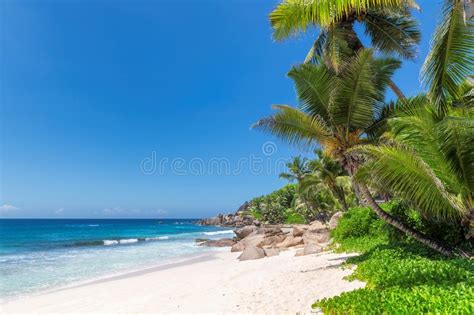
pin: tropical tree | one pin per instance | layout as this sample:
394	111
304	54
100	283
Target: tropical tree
451	57
428	160
316	201
297	169
328	173
388	23
336	111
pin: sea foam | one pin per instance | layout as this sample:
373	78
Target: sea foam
219	232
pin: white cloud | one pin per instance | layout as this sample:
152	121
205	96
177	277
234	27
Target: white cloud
59	211
6	208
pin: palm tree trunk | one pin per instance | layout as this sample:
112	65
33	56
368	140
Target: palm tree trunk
396	90
338	192
440	248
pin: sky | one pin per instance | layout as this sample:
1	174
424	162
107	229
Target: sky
142	109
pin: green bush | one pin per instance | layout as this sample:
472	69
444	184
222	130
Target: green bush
294	218
447	231
402	276
275	207
357	222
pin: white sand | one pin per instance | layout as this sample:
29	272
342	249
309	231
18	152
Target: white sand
216	284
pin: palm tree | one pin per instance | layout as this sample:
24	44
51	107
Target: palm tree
451	57
388	23
297	169
428	160
336	111
326	171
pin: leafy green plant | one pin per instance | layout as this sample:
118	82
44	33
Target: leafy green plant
402	276
272	208
293	217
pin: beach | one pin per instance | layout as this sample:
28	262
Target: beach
214	282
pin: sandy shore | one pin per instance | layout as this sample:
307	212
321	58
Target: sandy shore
217	283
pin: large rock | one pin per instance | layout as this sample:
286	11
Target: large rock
316	236
223	242
254	239
252	252
269	230
237	247
312	249
269	252
290	241
317	225
273	240
299	229
245	231
309	249
247	220
335	219
211	221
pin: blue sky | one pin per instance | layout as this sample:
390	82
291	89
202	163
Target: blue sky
91	90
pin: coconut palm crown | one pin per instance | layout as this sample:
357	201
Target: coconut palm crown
335	109
389	25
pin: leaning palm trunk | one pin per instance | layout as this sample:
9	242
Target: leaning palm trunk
433	244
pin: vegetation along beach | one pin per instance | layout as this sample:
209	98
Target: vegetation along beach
360	201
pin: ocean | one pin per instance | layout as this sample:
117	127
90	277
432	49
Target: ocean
42	254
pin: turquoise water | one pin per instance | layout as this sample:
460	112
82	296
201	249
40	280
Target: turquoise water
42	254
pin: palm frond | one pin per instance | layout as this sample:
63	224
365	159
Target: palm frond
295	126
289	177
466	95
317	49
456	135
313	85
417	125
355	95
451	57
384	68
336	48
401	107
403	172
393	32
309	182
293	16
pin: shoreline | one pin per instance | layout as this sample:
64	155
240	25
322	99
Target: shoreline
214	281
184	259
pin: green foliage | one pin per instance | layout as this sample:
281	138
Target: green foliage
359	222
274	207
427	161
293	217
451	58
402	276
362	222
422	299
335	108
293	16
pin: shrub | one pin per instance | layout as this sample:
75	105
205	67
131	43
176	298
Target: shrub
294	218
273	208
357	222
402	276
